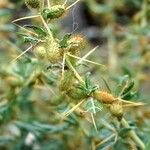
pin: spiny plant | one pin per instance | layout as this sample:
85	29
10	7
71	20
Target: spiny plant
89	97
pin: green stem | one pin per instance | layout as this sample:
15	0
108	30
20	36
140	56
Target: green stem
132	134
124	123
47	28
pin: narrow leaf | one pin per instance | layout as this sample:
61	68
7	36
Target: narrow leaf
39	30
63	43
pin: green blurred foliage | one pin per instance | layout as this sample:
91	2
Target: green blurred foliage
31	103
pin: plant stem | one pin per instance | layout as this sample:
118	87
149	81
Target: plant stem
106	140
132	134
47	28
41	5
22	54
48	3
74	71
24	18
124	123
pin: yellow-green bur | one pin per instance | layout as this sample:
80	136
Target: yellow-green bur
40	51
76	93
53	51
67	86
67	82
53	12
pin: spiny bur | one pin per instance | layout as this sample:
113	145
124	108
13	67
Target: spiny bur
53	12
32	4
40	51
116	109
104	97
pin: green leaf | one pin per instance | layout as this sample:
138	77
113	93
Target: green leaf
121	82
39	30
88	88
128	71
87	80
107	85
129	95
129	87
121	143
5	12
124	132
27	38
7	28
125	86
45	13
92	106
123	79
4	140
63	43
148	145
53	144
37	127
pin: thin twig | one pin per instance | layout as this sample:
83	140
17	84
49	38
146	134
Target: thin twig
86	60
74	71
48	3
88	54
22	54
134	105
123	89
94	123
72	4
129	102
25	29
46	26
65	2
64	115
24	18
106	140
48	86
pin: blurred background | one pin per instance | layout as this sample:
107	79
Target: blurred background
29	105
